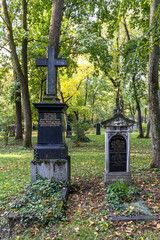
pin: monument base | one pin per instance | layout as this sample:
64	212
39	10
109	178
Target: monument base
112	177
59	169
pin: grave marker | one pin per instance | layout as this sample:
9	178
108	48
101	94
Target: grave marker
51	63
98	129
51	158
117	148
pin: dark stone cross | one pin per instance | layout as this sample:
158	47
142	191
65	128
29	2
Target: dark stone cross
52	63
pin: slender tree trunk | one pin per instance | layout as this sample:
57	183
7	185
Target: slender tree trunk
19	134
41	91
86	96
93	101
117	99
20	73
25	92
132	111
154	108
141	134
148	130
62	100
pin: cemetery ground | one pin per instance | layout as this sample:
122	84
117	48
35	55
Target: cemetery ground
87	211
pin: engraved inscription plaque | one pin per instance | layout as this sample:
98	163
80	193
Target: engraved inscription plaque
117	154
50	129
49	120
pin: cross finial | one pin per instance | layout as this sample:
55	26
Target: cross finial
52	63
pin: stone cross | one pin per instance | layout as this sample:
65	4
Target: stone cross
52	63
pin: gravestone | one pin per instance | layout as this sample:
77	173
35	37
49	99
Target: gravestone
51	158
117	148
69	130
34	127
12	131
98	129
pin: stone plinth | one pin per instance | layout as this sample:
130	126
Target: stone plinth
51	152
117	149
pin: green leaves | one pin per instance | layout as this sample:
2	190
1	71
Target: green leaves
41	201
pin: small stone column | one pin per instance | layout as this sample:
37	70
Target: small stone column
117	149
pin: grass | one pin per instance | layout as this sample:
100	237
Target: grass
87	212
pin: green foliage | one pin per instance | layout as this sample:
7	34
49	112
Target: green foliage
119	192
6	117
41	202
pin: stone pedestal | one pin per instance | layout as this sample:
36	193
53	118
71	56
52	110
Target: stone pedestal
51	158
117	149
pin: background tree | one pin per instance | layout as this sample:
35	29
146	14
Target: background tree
21	69
153	83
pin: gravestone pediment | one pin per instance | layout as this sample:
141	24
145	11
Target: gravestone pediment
118	120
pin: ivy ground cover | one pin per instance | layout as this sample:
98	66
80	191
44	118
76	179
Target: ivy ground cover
87	211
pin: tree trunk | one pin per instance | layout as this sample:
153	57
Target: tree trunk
55	31
132	111
19	134
86	96
148	130
62	100
55	24
93	101
141	134
25	91
21	73
154	108
117	99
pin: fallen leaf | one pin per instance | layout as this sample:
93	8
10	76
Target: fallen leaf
76	229
158	225
92	223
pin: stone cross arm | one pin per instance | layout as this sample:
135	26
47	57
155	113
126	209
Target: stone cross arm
52	63
43	62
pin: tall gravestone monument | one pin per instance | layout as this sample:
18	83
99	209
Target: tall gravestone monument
51	158
117	149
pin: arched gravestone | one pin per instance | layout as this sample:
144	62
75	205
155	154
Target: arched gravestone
117	154
117	148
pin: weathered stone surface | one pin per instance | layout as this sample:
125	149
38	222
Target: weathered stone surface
59	169
112	177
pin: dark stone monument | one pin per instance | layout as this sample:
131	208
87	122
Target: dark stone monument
34	127
69	131
51	152
117	148
52	63
12	131
98	129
